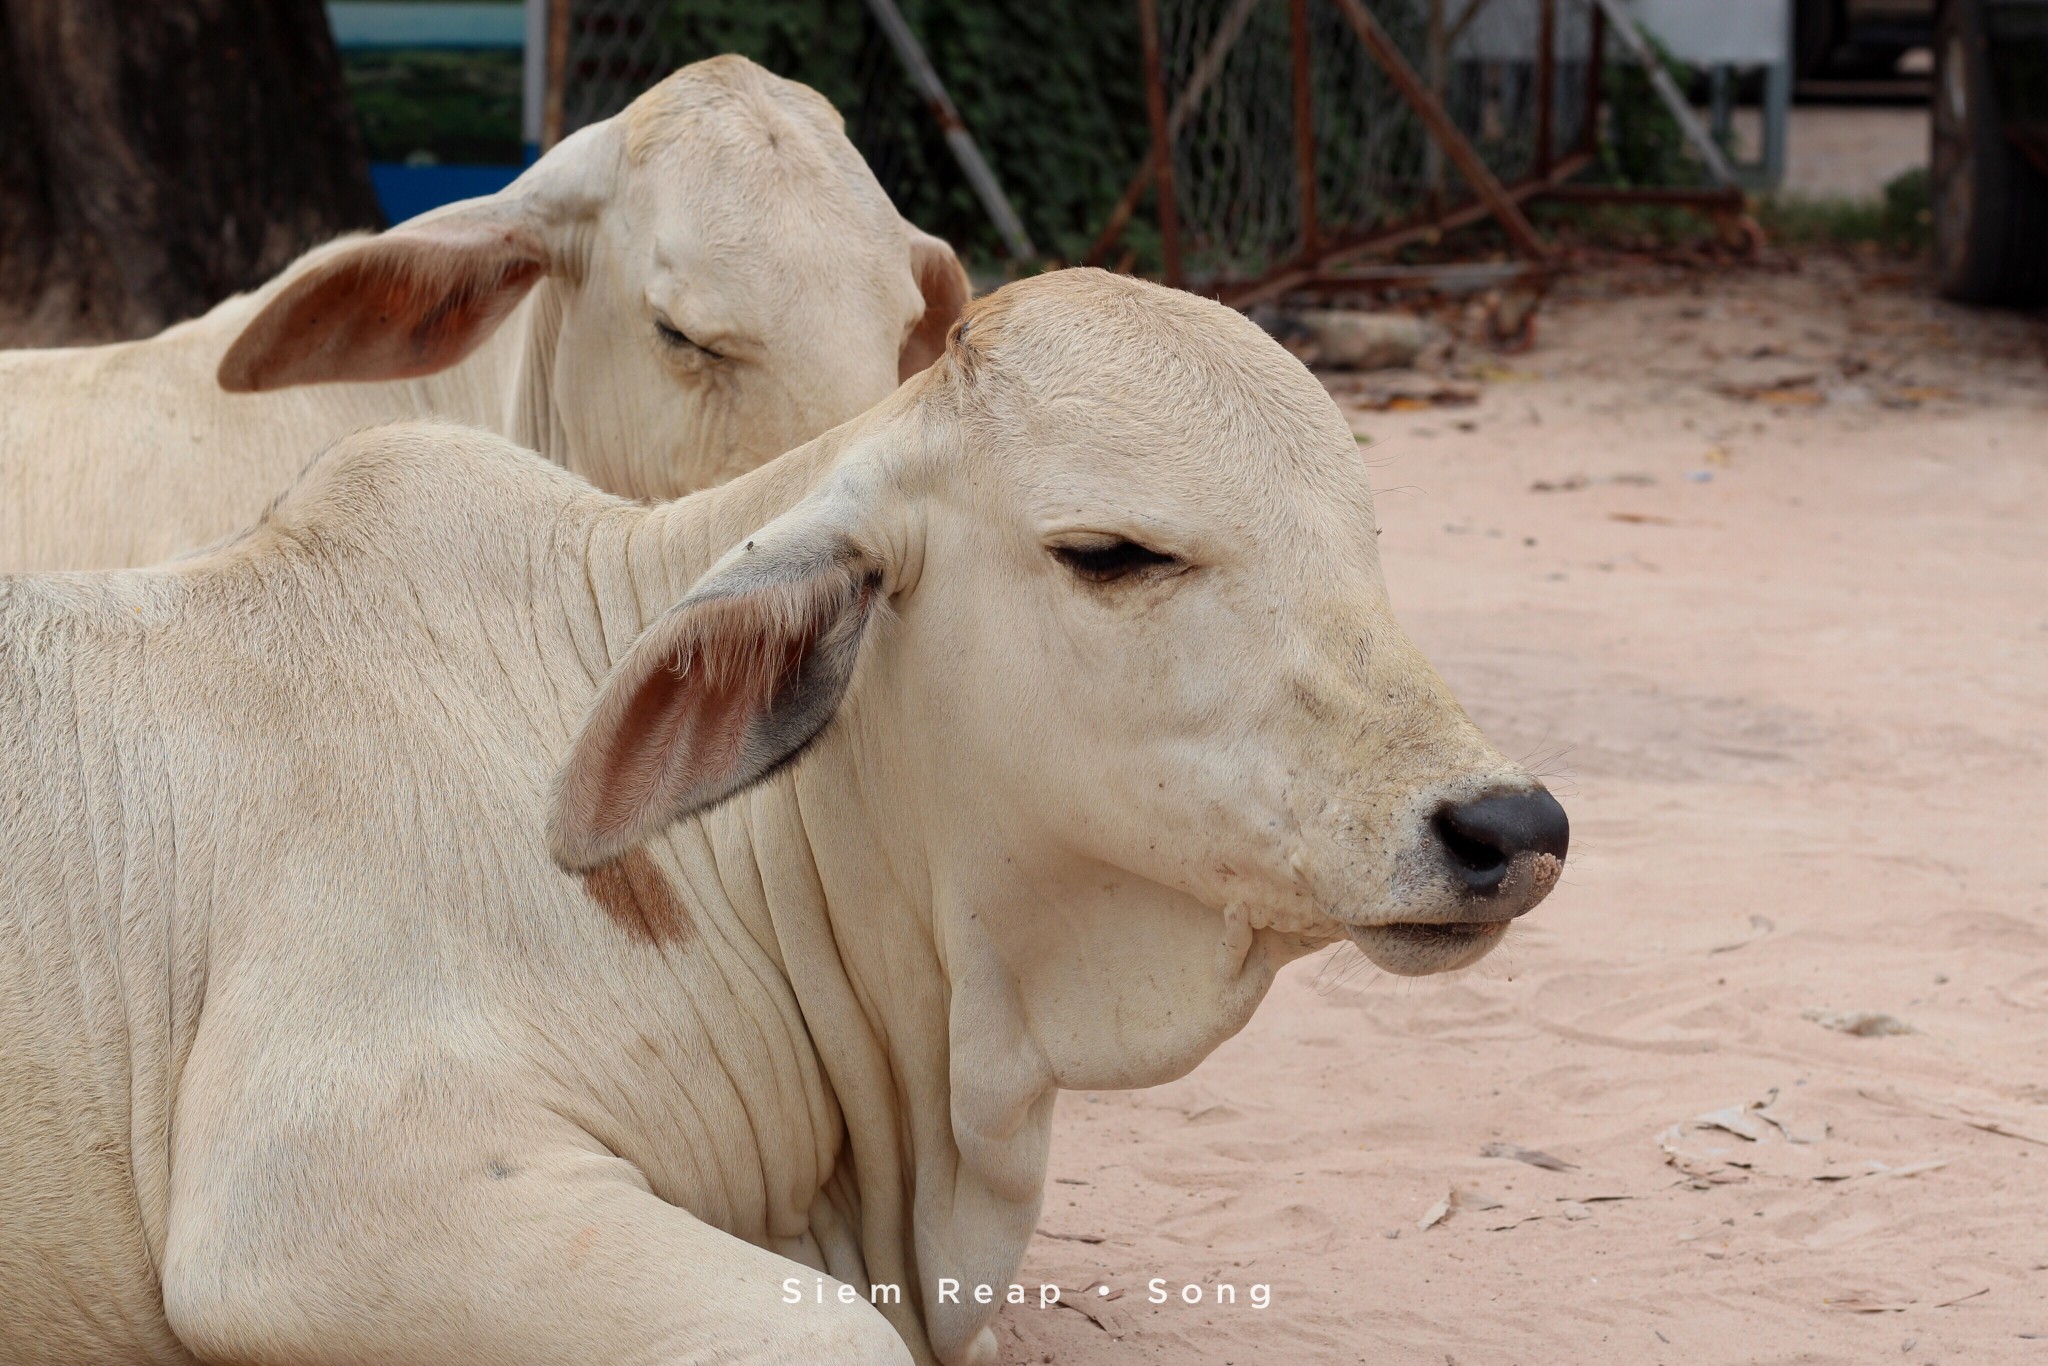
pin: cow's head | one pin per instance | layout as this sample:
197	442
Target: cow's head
1097	605
724	280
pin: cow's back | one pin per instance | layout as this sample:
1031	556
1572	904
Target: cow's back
131	453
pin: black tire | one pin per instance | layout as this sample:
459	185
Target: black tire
1990	203
1817	30
1864	62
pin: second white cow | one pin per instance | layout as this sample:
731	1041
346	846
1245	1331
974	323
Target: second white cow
663	301
1007	739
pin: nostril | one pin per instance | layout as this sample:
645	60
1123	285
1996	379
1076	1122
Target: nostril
1485	836
1472	852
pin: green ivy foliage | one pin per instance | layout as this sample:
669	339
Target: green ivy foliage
450	106
1643	144
1050	89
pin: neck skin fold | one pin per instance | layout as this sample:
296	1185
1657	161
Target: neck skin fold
945	1154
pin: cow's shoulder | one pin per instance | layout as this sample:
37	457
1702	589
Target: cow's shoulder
458	486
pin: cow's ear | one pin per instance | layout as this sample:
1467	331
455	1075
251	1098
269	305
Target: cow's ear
408	303
722	690
421	297
943	281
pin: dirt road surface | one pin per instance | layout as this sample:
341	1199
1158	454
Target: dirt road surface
1754	568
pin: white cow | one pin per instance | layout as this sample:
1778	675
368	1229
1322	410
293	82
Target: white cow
664	300
311	1051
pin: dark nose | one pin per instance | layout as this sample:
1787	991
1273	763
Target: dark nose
1486	835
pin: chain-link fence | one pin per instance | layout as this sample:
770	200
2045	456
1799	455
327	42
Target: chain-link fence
1237	158
1045	88
1055	93
614	51
618	48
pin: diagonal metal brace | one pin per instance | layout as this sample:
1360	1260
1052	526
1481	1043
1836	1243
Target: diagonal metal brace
1206	70
1446	133
1667	90
965	151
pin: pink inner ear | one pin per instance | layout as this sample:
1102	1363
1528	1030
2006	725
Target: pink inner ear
686	728
397	310
448	327
943	282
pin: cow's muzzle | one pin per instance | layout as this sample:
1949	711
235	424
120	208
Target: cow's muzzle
1500	853
1504	846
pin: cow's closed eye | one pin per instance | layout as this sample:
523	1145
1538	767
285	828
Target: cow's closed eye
1114	560
675	337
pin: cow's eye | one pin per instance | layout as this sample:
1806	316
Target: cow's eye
1113	560
674	337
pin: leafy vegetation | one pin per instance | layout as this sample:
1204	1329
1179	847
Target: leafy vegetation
440	106
1900	222
1642	142
1049	89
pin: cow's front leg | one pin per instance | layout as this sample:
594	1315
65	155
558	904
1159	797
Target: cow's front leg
557	1255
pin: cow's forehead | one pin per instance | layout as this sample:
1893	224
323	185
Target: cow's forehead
731	156
1093	381
724	96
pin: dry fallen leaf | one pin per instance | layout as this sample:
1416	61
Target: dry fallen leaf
1735	1119
1529	1155
1788	1125
1761	379
1080	1303
1708	1167
1691	1145
1864	1024
1933	1110
1762	924
1412	392
1992	1126
1791	398
1571	483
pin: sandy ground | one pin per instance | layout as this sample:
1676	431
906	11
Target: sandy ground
1785	658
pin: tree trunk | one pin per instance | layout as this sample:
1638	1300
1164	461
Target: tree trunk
159	155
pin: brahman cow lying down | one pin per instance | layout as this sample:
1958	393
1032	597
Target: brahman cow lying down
1005	739
664	300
